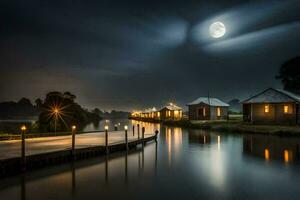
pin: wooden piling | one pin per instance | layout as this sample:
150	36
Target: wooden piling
126	139
106	141
133	130
73	140
156	134
138	129
23	155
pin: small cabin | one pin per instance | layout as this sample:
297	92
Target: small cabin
272	106
171	112
206	108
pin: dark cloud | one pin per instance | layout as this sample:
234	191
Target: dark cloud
133	54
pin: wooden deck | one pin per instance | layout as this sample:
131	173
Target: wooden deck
57	149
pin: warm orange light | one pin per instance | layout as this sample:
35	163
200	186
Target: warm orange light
286	155
267	154
73	127
267	108
23	128
176	112
286	109
219	141
218	111
158	114
106	127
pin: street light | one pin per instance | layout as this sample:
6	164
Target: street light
106	138
126	136
56	113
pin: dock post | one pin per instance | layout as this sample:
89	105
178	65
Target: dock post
138	130
143	135
143	132
23	155
106	139
126	136
156	134
133	130
73	140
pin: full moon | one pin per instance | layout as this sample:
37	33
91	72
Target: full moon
217	29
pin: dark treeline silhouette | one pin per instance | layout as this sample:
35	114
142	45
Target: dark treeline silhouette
112	115
289	74
18	110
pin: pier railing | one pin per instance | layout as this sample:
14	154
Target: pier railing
30	151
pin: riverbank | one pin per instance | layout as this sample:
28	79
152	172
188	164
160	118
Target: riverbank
232	126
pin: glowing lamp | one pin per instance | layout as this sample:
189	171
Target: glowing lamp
106	127
126	127
73	127
23	128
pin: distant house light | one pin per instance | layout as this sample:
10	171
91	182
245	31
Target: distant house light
218	111
267	154
267	108
286	109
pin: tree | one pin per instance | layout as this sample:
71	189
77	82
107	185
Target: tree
39	103
60	112
289	74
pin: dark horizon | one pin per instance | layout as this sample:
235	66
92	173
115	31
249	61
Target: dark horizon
137	54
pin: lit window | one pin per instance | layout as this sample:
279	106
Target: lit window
218	111
286	109
286	156
176	112
204	112
267	108
267	154
158	114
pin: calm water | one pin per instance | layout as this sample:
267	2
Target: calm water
184	164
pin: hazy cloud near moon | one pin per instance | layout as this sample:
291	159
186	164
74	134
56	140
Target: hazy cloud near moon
132	54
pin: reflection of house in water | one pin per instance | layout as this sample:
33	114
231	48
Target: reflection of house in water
199	137
272	147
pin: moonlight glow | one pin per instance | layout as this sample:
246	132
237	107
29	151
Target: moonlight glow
217	29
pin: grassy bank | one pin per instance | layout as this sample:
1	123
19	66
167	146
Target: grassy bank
236	126
233	125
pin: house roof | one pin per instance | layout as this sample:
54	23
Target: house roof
149	110
272	95
209	101
172	107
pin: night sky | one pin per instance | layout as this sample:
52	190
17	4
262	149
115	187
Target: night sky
136	54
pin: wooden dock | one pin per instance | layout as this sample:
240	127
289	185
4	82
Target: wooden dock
54	150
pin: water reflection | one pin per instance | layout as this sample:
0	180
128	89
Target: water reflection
77	175
184	163
272	147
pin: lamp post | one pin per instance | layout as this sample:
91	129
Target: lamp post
126	136
23	156
73	139
56	112
106	138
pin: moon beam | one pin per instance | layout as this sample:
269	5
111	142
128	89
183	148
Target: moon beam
217	29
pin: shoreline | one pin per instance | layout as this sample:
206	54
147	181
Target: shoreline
231	126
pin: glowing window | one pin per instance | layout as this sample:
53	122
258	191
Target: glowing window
176	112
286	109
158	114
267	154
286	155
218	111
267	108
204	112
